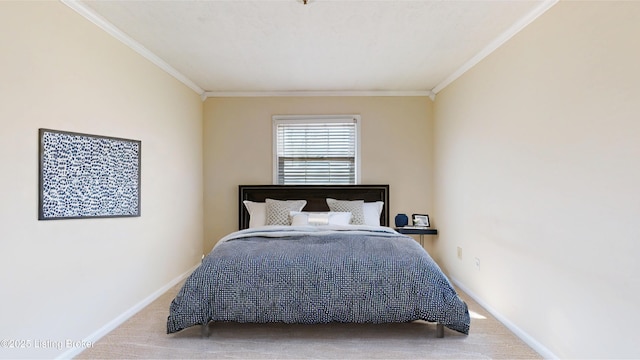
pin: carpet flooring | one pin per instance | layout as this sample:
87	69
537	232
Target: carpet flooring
144	336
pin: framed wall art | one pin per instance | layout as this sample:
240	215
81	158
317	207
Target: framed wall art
87	176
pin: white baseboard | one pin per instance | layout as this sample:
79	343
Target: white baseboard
93	338
533	343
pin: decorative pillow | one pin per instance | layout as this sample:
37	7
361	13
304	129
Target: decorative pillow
257	213
372	211
278	210
355	207
319	218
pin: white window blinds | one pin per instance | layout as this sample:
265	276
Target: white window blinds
316	150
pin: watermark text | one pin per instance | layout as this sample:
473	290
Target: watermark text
44	344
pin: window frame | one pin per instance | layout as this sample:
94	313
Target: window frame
310	119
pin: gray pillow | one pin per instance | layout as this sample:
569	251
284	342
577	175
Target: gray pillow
277	211
355	207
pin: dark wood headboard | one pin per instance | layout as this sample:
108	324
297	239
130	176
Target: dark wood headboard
315	195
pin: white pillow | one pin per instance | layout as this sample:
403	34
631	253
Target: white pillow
319	218
257	213
258	210
372	211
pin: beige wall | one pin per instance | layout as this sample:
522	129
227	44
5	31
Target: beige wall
537	159
395	149
529	162
67	279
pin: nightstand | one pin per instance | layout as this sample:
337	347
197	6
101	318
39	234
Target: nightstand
417	231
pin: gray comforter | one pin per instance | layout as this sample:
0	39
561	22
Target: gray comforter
314	275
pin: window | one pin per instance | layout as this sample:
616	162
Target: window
316	149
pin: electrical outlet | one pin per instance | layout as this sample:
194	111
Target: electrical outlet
459	253
477	263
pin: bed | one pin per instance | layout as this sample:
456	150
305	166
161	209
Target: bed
315	254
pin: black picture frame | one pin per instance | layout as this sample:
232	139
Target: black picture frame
87	176
420	220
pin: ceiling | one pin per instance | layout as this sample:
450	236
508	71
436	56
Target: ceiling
237	47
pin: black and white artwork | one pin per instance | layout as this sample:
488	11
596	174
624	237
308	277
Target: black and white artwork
421	220
88	176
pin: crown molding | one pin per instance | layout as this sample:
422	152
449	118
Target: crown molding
496	43
136	46
209	94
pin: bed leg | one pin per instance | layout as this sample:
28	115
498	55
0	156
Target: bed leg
204	330
439	330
